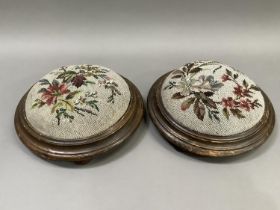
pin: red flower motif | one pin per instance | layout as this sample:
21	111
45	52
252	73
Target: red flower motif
229	102
238	91
53	91
241	92
225	78
78	80
246	104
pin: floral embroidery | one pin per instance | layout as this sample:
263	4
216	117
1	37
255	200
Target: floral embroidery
243	97
64	95
199	92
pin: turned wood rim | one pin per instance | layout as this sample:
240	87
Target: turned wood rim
204	144
90	148
97	137
205	137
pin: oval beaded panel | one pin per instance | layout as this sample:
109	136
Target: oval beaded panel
212	98
77	102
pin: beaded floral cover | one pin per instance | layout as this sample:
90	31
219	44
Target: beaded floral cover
212	98
77	101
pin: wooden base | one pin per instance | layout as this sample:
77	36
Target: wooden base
202	144
84	150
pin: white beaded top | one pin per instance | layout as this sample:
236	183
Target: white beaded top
76	102
212	98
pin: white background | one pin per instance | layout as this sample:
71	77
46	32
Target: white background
140	40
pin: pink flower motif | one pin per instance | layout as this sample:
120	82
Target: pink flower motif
229	102
53	91
225	78
246	104
238	90
241	92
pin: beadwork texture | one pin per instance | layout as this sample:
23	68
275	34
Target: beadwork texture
212	98
77	102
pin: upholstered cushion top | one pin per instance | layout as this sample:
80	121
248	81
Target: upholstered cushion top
77	102
212	98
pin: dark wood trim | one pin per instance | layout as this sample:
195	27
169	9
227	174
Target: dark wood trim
82	150
202	144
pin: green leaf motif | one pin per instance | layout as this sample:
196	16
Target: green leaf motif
216	117
61	98
245	83
90	82
55	82
199	91
237	113
254	87
216	69
195	70
209	93
226	113
177	76
93	104
216	86
42	90
177	96
72	94
44	82
199	110
67	76
229	72
209	102
187	103
63	113
34	105
170	85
